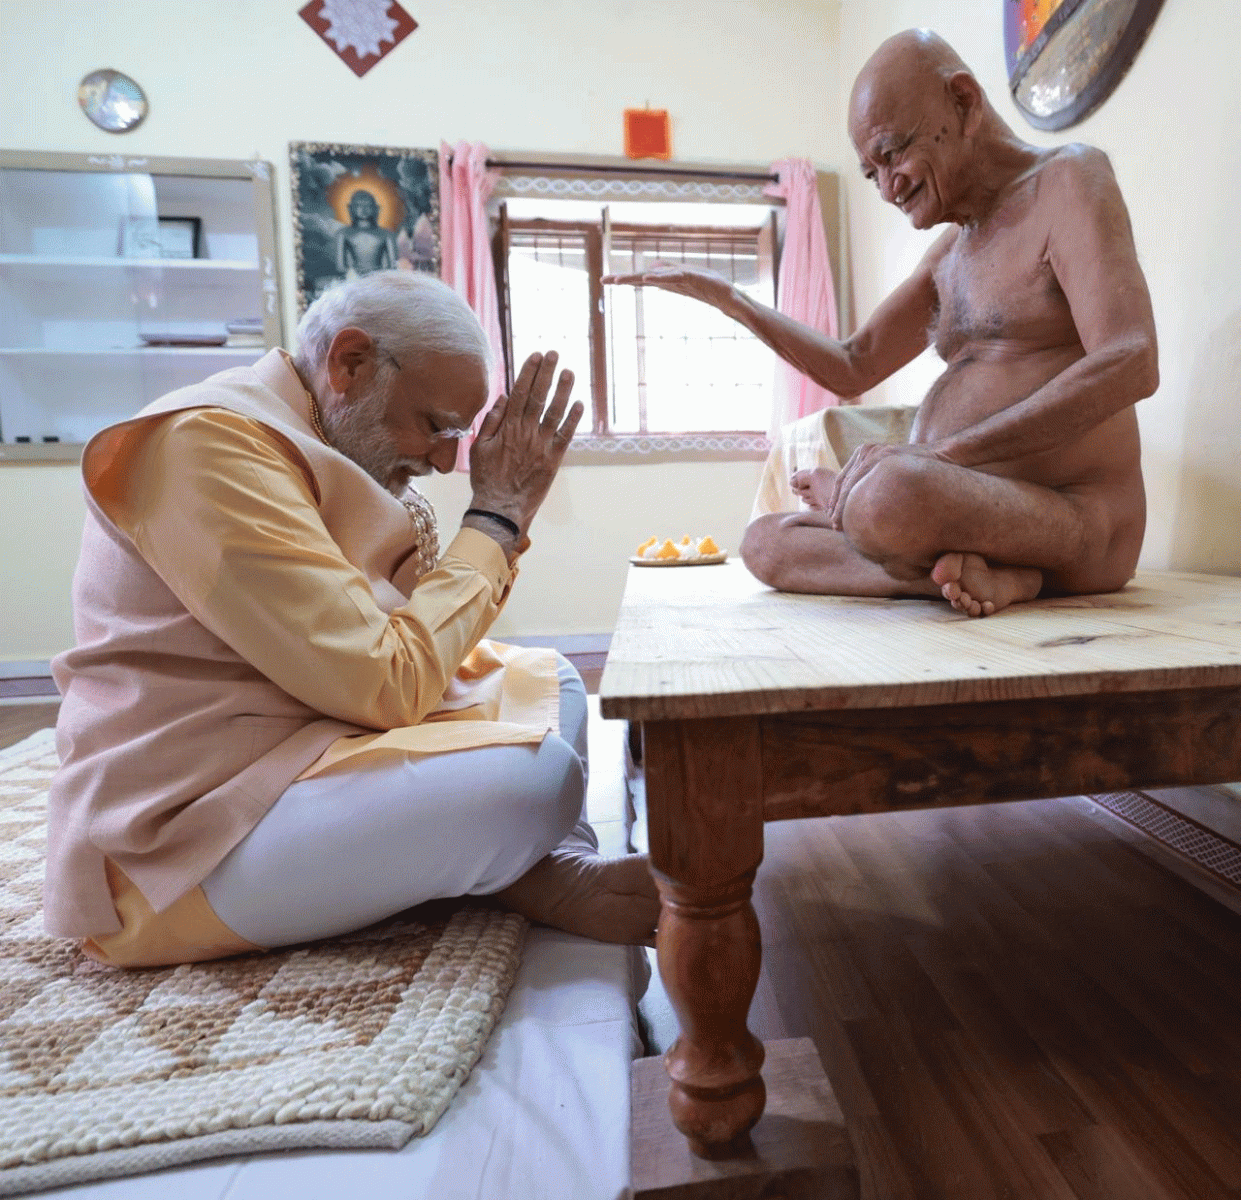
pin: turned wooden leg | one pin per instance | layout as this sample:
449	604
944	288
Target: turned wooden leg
705	828
709	954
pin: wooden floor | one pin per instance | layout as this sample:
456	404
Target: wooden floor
1012	1002
20	720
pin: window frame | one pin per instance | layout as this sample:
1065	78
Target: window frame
596	237
592	247
767	250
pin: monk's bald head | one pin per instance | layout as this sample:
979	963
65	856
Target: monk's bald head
923	129
913	67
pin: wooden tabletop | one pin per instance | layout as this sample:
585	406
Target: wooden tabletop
711	641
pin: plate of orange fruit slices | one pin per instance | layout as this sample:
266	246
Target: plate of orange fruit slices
688	552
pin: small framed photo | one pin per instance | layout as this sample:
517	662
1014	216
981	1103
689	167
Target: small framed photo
160	237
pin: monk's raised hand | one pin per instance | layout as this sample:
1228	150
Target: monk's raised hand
522	441
707	286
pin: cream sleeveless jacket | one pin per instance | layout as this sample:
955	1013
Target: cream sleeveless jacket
172	745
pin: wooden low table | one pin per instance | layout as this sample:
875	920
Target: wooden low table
758	706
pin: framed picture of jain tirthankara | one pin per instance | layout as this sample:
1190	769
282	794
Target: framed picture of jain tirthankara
358	209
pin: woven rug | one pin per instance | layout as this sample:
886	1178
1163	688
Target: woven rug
360	1041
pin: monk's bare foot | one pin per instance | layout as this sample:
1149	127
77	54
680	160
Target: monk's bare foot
583	892
814	486
977	589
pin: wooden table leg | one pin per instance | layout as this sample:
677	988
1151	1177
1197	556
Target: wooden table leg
705	830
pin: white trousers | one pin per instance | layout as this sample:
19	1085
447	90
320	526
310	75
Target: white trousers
340	851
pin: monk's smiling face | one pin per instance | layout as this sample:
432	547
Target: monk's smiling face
911	110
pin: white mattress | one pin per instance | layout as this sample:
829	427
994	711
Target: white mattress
543	1116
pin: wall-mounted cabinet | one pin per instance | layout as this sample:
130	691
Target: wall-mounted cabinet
122	278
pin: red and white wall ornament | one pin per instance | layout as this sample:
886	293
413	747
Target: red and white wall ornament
360	32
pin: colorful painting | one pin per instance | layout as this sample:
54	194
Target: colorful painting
358	209
1025	22
1065	57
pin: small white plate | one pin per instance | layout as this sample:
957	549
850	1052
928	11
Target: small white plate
183	339
701	561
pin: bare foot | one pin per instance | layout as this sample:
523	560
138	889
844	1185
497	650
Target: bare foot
977	589
814	486
579	891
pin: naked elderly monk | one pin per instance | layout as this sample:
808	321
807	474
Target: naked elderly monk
1022	475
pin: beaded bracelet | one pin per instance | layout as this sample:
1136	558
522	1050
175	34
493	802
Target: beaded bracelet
499	519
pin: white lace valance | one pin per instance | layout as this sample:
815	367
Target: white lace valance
617	187
649	443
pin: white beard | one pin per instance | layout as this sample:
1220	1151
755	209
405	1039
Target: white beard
357	431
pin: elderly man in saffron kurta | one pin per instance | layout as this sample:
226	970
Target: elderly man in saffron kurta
281	720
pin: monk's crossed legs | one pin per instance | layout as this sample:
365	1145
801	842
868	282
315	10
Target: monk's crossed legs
920	527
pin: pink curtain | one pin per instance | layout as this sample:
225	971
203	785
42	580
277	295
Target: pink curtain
807	293
465	253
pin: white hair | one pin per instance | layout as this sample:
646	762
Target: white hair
408	313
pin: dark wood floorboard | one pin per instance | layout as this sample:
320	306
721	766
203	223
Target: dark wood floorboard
1011	1001
18	721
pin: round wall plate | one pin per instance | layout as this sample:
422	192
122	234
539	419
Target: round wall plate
112	101
1066	56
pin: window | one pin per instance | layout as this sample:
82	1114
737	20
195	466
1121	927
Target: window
650	365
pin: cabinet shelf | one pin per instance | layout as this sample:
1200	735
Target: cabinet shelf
251	352
132	264
74	312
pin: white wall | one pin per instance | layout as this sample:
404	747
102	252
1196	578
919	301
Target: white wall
1170	130
745	81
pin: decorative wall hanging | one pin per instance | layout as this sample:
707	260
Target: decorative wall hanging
112	101
361	32
648	133
358	209
1065	57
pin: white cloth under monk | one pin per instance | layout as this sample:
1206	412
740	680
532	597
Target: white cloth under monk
246	615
